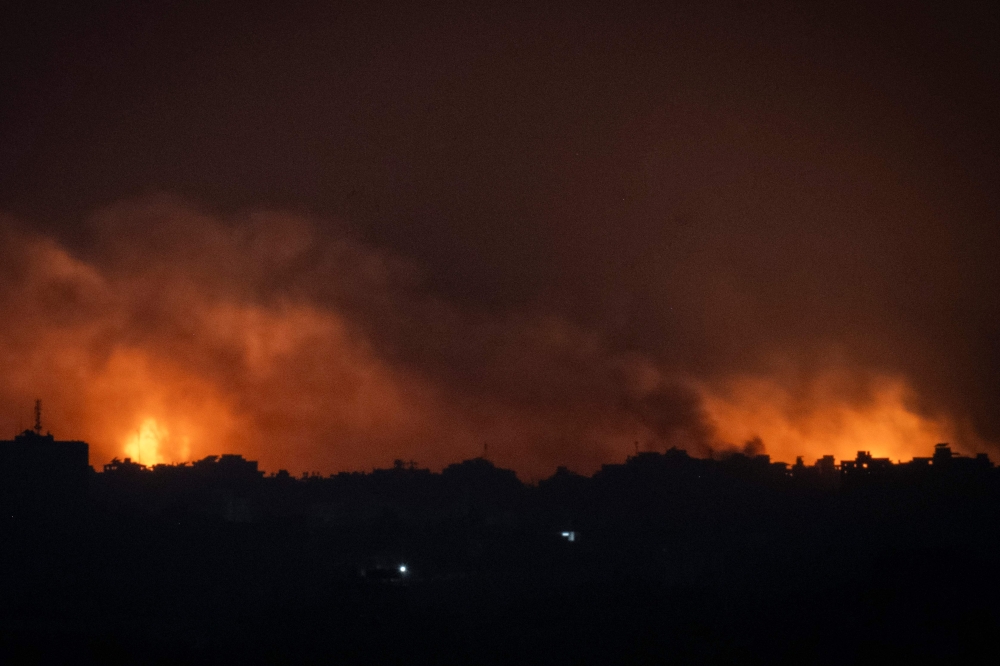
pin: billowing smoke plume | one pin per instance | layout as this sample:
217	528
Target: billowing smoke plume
176	335
171	334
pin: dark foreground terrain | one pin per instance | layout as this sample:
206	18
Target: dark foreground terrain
671	561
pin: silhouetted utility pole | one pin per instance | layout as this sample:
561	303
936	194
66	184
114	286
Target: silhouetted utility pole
38	417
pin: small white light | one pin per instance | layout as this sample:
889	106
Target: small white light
402	568
565	534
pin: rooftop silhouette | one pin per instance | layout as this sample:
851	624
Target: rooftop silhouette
39	472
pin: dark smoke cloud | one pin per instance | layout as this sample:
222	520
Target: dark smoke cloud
259	334
559	232
256	334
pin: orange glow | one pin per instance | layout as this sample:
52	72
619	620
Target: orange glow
168	362
323	357
144	447
824	417
160	413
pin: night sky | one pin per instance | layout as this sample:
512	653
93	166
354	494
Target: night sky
327	237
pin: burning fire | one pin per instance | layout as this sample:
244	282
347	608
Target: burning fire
144	446
826	416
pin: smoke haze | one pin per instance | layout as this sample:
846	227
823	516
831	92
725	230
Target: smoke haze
329	238
196	335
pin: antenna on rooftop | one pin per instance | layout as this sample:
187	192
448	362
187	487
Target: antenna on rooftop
38	417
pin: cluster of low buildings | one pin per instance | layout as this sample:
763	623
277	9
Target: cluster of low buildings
39	470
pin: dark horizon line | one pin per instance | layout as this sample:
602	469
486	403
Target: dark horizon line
941	449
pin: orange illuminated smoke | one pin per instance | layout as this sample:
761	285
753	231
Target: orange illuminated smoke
184	336
827	415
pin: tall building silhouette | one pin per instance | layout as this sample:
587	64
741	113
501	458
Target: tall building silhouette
38	471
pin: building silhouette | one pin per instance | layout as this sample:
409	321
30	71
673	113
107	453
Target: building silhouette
39	472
